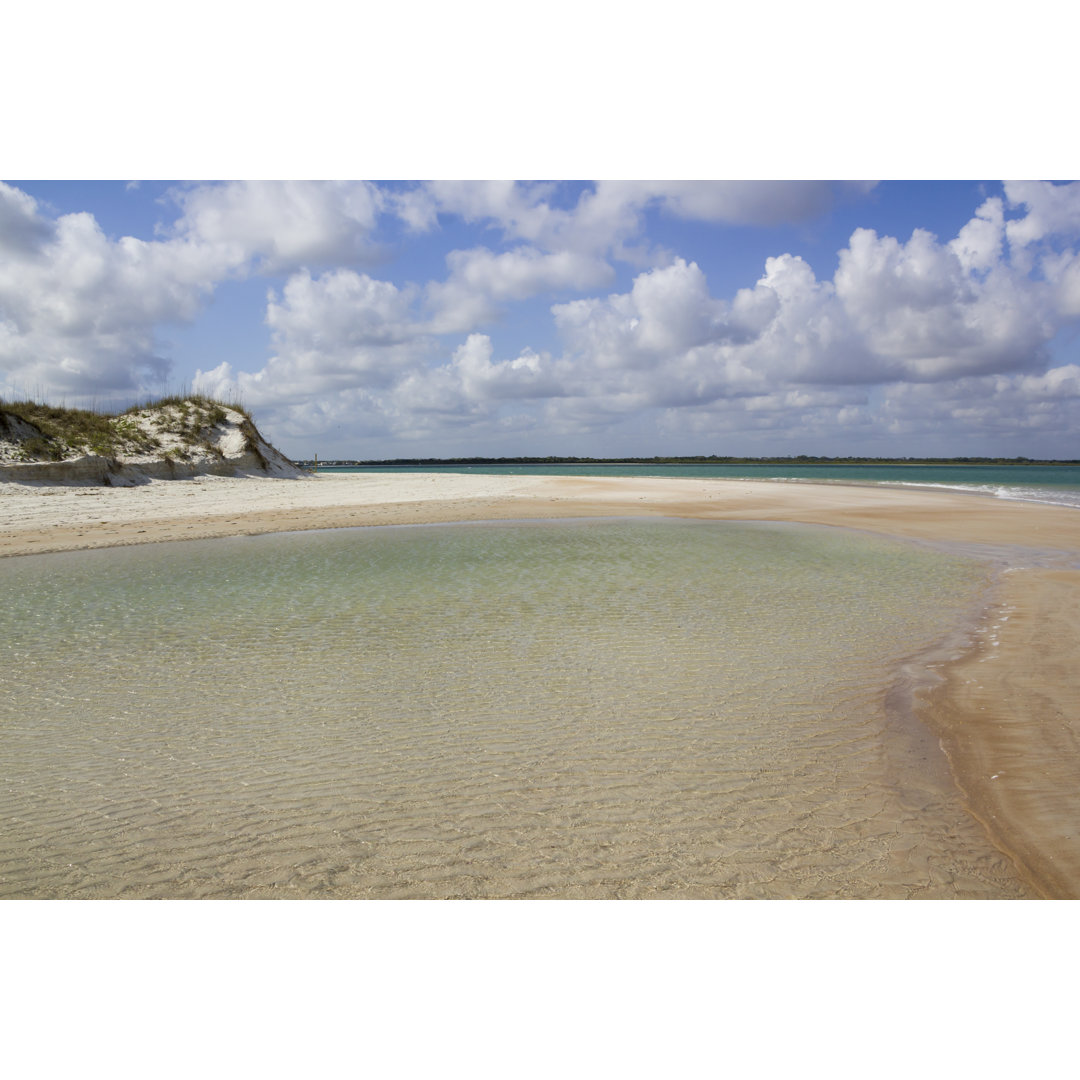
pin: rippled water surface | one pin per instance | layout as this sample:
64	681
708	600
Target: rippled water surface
573	709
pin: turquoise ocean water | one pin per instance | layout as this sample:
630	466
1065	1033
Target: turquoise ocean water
583	709
1058	484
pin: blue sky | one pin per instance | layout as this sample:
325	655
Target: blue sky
453	318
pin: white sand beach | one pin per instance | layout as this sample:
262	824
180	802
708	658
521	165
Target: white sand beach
1007	712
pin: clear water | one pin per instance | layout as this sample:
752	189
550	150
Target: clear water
567	709
1056	484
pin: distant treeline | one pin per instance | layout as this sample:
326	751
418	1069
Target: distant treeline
713	459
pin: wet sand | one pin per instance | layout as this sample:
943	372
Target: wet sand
1007	711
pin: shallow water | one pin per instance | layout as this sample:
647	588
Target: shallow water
569	709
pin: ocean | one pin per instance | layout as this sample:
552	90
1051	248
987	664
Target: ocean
577	709
1055	484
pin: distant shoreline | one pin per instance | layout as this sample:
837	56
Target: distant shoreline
344	463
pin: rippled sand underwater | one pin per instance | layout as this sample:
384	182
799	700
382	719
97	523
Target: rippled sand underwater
585	709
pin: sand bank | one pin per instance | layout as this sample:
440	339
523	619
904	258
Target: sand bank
40	518
1007	712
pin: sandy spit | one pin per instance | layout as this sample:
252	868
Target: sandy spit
1007	711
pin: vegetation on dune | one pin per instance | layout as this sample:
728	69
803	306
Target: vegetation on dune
140	430
252	442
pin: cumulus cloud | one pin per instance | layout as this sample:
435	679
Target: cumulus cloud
479	281
667	313
810	339
924	316
340	331
900	315
684	346
339	311
529	375
79	310
911	336
1040	239
281	224
1041	408
601	220
788	354
1050	209
978	244
608	215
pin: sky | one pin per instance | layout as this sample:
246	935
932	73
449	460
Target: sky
501	318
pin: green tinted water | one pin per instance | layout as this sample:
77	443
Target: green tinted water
573	709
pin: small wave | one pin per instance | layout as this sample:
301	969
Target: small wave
1047	495
1050	496
1053	497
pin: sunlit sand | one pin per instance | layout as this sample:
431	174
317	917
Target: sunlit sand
1006	712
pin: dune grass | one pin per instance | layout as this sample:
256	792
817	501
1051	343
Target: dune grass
138	430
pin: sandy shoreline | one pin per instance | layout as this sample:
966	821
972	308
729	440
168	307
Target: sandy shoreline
1007	712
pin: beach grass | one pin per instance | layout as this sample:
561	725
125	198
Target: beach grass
62	433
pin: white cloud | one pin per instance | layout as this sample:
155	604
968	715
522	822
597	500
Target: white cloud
1039	238
922	315
978	244
667	314
529	375
524	272
282	224
1016	410
415	207
690	347
789	419
602	221
904	314
81	310
480	280
340	331
673	310
913	338
521	209
340	310
1051	209
313	424
608	215
811	339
